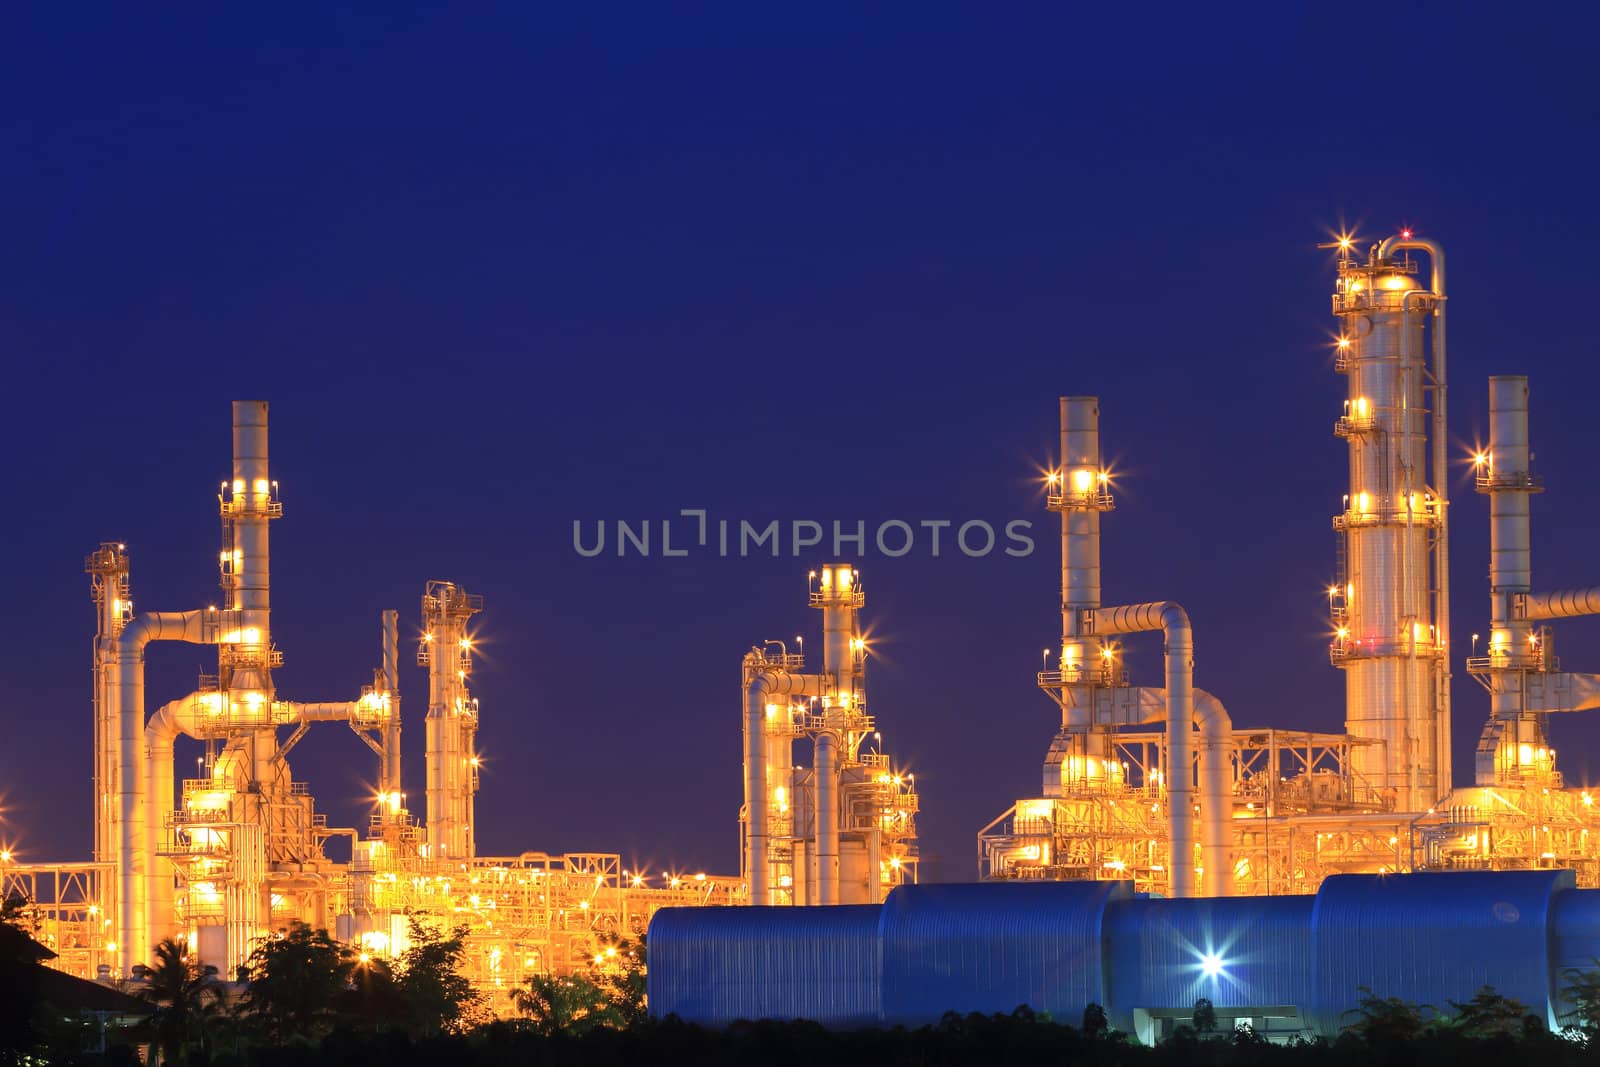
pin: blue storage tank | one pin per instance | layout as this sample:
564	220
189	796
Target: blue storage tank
717	965
1435	937
1576	945
1285	963
1251	953
992	947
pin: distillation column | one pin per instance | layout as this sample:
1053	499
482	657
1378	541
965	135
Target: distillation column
246	654
452	759
839	596
1390	632
107	568
389	761
1504	473
1078	491
1091	687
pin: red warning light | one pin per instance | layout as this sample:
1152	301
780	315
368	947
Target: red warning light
1406	234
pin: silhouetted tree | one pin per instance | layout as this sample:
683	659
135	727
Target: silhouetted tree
181	990
295	980
1205	1017
1386	1020
1488	1014
20	965
618	968
1582	991
1094	1020
439	998
574	1004
372	1003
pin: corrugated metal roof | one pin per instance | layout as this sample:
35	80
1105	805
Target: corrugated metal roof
718	965
1434	937
1233	951
1057	946
993	947
1575	946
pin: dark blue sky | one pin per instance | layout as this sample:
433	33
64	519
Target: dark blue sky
501	270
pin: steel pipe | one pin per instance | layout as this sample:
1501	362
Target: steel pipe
389	771
826	768
127	689
1137	705
1170	618
1562	604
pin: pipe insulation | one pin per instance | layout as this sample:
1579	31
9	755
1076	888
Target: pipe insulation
827	772
174	718
134	861
1139	705
1562	603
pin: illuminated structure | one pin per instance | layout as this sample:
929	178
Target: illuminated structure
1278	811
446	650
1326	863
842	831
239	851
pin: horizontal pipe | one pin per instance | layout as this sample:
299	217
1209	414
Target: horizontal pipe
1547	693
1563	604
334	711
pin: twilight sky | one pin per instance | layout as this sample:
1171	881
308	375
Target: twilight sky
500	270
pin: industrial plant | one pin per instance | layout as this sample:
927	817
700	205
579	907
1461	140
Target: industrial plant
1169	855
1356	859
238	852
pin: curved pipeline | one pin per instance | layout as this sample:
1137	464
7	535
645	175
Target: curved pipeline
1137	705
763	684
128	687
170	720
1170	618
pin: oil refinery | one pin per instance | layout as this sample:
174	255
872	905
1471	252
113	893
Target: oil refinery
1357	860
239	851
1169	854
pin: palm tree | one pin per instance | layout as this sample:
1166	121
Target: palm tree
181	989
574	1004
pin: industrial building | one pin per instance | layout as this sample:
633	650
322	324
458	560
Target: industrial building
842	831
239	851
1355	858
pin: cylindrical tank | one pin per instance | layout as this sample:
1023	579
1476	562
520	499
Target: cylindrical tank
1386	637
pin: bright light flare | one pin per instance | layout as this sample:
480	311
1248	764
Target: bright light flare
1211	965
